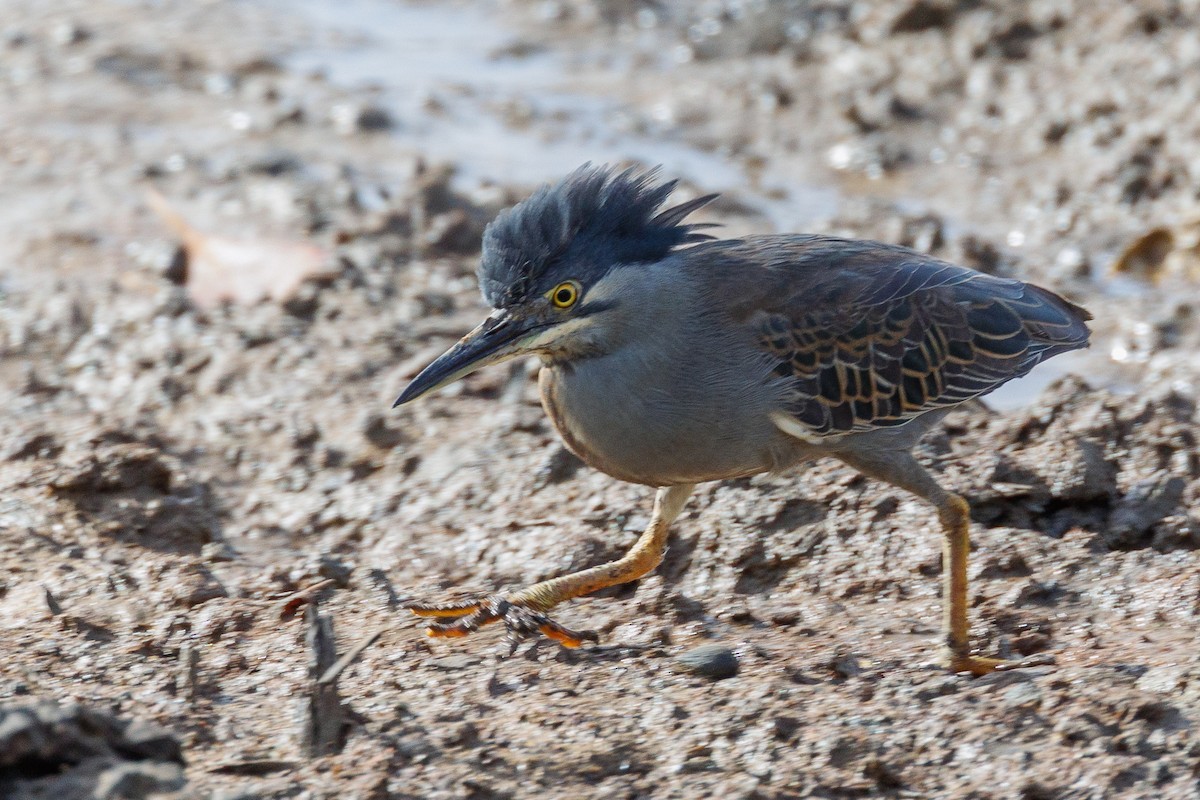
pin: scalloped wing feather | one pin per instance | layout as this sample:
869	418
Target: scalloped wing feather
870	335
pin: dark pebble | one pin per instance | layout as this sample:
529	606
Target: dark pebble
714	661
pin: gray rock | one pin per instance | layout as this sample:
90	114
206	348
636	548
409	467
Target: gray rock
1023	695
1146	502
218	551
940	687
1072	471
37	735
132	781
714	661
46	732
145	740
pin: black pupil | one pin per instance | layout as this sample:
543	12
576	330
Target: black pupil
564	295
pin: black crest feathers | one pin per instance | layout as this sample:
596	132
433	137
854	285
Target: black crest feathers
592	219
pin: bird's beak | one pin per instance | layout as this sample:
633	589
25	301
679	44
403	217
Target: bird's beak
498	338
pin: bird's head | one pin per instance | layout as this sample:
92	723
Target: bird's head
549	264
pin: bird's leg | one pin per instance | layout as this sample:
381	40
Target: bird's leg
524	612
902	469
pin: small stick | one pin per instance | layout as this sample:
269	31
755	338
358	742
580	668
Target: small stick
349	658
189	670
325	724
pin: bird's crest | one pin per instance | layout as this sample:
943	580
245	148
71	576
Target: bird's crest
594	218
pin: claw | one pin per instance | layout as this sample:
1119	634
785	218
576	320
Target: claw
445	633
565	636
1037	660
979	665
464	619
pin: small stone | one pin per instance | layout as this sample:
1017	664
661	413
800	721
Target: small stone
561	465
923	16
845	665
1041	593
1023	695
14	38
197	585
373	118
146	740
335	569
274	163
453	232
138	780
1147	502
784	727
68	33
349	118
1166	680
464	734
172	265
885	774
166	259
714	661
940	687
213	552
377	431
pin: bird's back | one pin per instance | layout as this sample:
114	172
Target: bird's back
871	336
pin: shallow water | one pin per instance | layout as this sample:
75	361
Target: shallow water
447	72
454	58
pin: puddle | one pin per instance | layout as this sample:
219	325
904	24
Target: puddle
454	56
1023	391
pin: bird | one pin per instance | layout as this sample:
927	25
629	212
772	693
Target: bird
670	357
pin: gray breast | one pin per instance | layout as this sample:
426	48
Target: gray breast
692	408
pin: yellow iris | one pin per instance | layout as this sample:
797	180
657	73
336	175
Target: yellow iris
565	294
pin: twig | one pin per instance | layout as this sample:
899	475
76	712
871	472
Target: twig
325	726
189	671
349	658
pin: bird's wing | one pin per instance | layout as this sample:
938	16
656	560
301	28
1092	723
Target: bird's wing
871	335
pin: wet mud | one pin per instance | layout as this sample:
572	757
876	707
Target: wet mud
206	498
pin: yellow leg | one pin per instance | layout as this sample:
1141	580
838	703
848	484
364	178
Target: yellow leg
901	469
955	516
524	612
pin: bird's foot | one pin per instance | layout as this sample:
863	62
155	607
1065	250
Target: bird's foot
980	665
520	620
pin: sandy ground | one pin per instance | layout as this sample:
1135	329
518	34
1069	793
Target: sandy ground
184	478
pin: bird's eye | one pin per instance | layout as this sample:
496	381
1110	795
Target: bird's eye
565	294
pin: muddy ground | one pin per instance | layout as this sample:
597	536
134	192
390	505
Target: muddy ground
179	474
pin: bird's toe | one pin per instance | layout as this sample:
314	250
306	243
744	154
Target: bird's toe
980	665
445	610
521	621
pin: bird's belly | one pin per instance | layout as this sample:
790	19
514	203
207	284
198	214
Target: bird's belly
638	435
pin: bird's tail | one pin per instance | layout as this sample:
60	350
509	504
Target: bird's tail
1052	321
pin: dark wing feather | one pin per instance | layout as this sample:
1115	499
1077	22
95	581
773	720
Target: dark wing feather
872	335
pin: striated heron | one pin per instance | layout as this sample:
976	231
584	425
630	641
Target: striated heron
671	358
